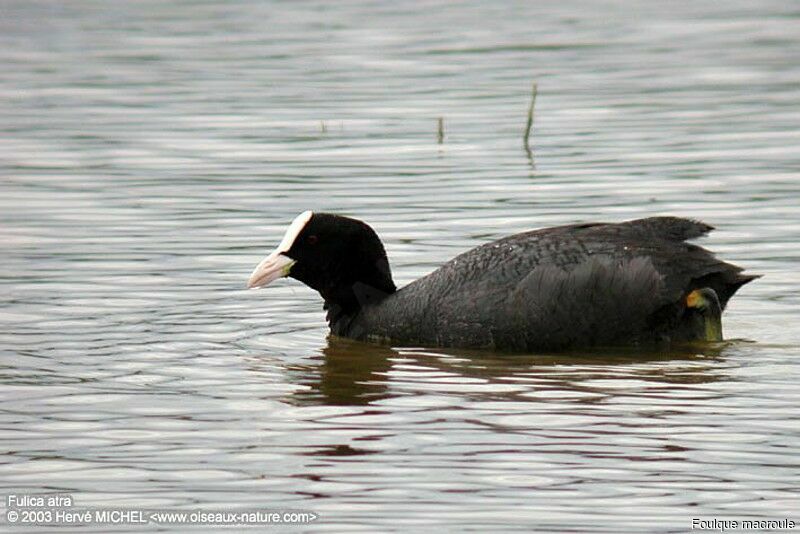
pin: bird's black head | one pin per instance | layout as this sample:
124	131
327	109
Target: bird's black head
342	258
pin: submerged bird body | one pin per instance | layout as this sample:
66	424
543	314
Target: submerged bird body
637	282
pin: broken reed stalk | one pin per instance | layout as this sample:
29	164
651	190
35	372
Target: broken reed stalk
529	125
440	133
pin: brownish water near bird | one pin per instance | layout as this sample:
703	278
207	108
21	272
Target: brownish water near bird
152	153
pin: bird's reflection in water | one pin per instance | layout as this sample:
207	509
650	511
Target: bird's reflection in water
352	373
349	373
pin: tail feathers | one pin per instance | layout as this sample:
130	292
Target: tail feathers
742	279
725	283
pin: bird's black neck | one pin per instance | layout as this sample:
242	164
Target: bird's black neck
345	307
339	321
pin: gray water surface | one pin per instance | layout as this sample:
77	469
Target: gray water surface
151	153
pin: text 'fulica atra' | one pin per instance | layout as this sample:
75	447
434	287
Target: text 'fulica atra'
581	285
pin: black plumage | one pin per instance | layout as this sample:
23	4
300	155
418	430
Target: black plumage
550	289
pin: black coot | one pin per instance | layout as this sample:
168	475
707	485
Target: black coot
636	282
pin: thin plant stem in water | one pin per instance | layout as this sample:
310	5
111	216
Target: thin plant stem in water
529	125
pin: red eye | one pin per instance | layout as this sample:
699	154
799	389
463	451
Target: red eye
312	239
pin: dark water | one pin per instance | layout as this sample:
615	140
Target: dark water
151	153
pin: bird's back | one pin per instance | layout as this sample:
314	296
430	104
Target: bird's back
559	287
